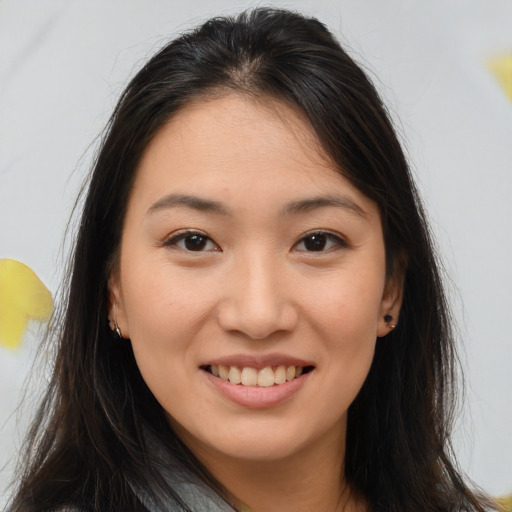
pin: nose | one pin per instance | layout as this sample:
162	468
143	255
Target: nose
257	302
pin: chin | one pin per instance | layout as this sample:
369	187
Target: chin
255	452
258	442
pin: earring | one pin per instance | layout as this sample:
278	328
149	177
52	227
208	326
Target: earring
115	330
388	319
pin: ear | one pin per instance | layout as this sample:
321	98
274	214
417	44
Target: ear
391	303
116	311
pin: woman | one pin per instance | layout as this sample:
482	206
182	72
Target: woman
255	315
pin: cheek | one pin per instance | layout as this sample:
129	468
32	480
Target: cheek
164	316
160	298
345	314
348	305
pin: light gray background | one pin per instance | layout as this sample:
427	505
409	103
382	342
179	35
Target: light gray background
63	64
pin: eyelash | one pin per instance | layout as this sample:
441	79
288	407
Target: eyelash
189	234
324	237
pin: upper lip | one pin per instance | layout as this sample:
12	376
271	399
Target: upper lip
258	361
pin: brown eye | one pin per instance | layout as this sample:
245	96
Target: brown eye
320	242
191	241
315	242
195	242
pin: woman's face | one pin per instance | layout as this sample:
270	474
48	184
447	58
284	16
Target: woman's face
246	257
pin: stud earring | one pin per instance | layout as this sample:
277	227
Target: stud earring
388	319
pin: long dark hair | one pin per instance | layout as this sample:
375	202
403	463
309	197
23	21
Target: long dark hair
88	445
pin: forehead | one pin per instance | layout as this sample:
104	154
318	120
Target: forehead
234	144
243	124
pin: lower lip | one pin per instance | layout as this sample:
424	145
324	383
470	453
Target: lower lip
255	397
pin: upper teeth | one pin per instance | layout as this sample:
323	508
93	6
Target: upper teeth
248	376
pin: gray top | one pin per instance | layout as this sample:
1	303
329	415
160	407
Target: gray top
196	494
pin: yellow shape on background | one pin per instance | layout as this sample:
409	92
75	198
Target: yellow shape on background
22	297
501	67
506	503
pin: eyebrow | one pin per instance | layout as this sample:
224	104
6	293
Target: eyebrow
313	203
294	207
193	202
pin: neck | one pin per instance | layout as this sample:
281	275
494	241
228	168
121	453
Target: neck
311	479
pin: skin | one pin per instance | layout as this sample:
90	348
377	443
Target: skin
255	288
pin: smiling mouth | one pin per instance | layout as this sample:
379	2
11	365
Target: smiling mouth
265	377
